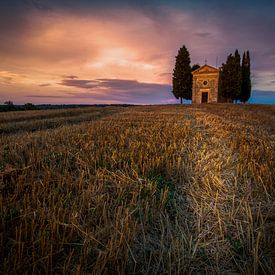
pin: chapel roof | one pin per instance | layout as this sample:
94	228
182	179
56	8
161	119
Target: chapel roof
205	69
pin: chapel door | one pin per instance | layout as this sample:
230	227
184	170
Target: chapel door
204	97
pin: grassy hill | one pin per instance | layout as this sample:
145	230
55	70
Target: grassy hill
148	189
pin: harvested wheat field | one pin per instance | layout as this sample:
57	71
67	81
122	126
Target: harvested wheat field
138	190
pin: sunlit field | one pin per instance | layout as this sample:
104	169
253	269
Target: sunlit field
138	190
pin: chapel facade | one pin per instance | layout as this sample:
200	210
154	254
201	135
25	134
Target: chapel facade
206	85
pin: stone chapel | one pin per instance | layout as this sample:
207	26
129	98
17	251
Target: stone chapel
206	85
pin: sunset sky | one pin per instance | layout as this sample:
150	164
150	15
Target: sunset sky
68	51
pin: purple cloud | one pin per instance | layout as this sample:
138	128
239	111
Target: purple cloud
46	96
106	90
79	83
111	84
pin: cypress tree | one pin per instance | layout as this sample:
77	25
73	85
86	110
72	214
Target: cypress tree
195	67
237	81
232	77
246	81
226	76
182	77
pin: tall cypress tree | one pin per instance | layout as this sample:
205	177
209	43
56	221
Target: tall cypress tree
246	81
226	76
182	77
231	77
237	81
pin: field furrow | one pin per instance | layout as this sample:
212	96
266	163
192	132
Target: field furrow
150	189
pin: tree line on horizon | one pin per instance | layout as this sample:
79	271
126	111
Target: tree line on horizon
9	106
235	76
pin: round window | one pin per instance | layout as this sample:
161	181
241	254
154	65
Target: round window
205	82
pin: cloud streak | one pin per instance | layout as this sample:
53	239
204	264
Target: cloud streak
111	84
118	90
45	85
79	83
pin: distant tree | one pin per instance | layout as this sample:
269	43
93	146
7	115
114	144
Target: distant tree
182	77
9	105
195	67
246	80
231	77
29	106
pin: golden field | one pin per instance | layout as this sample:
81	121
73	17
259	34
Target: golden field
139	190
